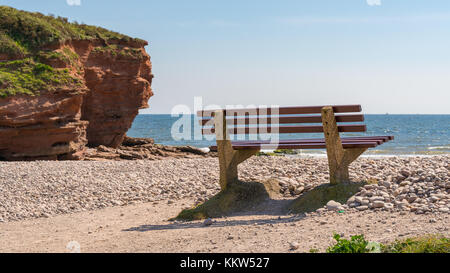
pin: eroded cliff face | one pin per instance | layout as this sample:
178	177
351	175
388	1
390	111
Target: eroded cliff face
114	82
42	127
120	85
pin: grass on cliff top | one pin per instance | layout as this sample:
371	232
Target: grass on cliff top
120	51
22	32
23	37
28	77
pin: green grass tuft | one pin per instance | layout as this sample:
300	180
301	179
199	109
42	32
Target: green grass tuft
424	244
286	151
120	51
356	244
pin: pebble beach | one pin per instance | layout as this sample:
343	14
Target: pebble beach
45	188
124	206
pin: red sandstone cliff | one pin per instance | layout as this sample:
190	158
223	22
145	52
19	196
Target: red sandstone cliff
115	82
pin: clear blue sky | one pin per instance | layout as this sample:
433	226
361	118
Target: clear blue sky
389	55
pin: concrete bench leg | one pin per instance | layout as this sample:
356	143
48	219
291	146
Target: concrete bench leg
338	158
229	159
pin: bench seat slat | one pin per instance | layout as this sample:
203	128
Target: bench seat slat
318	143
307	140
305	146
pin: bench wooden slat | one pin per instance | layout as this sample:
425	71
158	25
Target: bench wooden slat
379	141
286	110
318	141
285	120
288	129
303	141
306	140
303	146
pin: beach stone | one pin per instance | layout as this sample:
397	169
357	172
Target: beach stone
378	204
376	198
299	190
294	245
208	222
361	208
405	173
321	210
333	205
351	200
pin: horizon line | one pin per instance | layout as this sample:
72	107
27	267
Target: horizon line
384	114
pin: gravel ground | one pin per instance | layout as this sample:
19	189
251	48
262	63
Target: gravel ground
144	228
43	188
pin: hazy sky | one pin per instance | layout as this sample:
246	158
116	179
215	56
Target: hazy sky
389	55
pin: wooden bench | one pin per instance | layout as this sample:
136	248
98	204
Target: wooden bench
340	151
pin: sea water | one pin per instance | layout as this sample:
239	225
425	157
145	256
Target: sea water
414	134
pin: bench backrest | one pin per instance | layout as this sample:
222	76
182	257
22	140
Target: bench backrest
273	120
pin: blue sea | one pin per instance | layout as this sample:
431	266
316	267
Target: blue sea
414	134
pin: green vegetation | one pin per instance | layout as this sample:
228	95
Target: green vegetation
424	244
24	37
23	32
238	196
66	56
358	244
120	51
286	151
9	46
28	77
266	154
321	195
278	152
